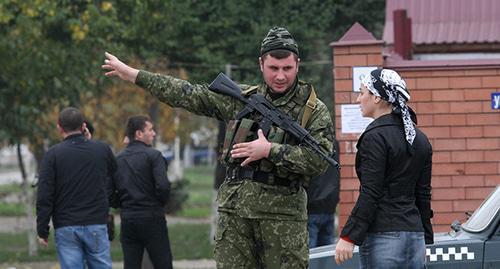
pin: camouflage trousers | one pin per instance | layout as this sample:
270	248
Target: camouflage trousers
257	243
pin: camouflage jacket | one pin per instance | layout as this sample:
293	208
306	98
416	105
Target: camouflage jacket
247	198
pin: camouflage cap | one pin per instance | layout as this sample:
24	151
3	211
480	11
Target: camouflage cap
278	38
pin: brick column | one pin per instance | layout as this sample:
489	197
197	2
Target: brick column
452	100
356	48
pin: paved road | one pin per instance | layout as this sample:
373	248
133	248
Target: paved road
183	264
10	177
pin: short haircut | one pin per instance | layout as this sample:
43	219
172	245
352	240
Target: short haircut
280	54
135	123
90	127
70	119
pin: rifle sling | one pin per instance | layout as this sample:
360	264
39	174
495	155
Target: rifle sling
308	109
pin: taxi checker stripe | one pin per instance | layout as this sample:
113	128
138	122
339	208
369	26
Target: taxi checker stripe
451	252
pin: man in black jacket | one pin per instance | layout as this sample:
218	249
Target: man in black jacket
143	189
322	199
73	190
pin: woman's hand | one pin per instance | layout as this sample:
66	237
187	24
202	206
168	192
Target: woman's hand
343	251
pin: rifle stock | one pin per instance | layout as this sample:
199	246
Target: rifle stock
224	85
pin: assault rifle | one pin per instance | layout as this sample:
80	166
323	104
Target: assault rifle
270	114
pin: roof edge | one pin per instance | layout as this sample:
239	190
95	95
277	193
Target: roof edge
356	42
356	35
441	64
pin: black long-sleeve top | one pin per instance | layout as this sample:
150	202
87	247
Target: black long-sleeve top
74	184
395	189
141	181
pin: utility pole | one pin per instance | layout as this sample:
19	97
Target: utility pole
228	70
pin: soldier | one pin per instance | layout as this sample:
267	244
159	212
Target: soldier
262	202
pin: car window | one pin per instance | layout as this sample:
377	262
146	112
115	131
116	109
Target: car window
486	212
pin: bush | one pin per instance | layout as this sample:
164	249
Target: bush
178	195
188	241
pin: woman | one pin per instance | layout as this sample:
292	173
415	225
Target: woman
391	219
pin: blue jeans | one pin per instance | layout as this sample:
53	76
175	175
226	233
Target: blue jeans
77	245
398	250
320	227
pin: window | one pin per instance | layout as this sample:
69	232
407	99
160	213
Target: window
486	212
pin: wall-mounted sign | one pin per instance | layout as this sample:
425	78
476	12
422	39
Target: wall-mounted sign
358	72
352	120
495	100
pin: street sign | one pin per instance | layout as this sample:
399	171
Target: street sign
495	100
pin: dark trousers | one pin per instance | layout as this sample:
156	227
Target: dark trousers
149	233
320	227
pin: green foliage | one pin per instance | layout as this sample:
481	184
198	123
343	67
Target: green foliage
6	189
51	51
203	36
12	209
190	241
17	249
178	195
208	34
195	212
49	58
200	191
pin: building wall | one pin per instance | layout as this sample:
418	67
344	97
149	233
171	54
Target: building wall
453	105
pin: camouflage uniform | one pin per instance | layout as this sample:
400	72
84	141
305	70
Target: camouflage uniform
260	225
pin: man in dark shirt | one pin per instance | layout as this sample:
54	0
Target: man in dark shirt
75	183
322	199
143	189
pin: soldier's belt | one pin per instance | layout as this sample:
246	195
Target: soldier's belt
245	173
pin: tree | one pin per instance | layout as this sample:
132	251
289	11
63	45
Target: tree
47	54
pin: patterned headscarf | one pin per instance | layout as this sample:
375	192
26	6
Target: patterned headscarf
388	85
278	38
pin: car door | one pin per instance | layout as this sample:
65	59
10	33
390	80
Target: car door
491	250
455	254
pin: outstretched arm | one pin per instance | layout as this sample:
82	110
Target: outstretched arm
118	68
196	98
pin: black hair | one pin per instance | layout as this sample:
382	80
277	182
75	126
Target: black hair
90	127
70	119
134	124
